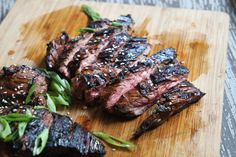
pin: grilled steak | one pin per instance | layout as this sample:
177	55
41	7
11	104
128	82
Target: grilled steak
173	101
69	138
15	82
84	49
146	93
66	138
136	74
111	62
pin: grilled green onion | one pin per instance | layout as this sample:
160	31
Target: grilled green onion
59	91
117	142
54	86
116	24
59	100
5	129
30	93
51	104
11	137
21	128
58	84
40	142
39	107
86	29
18	117
91	13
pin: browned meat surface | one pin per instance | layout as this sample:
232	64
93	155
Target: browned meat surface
66	138
108	69
69	56
136	74
111	67
173	101
146	93
15	82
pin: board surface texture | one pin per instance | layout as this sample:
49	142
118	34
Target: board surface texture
200	38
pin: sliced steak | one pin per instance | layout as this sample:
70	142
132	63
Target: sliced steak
24	146
84	49
15	82
173	101
112	62
54	50
66	138
136	74
69	52
71	139
147	92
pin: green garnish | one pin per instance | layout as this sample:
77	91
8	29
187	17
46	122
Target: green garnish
18	117
59	99
86	29
40	107
59	91
116	24
40	142
117	142
90	12
5	129
11	137
51	104
30	93
21	128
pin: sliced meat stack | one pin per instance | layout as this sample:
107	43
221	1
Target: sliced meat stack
173	101
65	138
111	67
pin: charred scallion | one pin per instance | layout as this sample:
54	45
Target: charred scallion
116	142
91	13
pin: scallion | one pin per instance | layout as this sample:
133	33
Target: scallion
18	117
5	129
30	93
116	24
86	29
11	137
90	12
117	142
59	100
51	104
21	128
39	107
40	142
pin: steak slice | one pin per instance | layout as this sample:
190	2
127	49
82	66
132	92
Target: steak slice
146	93
15	82
24	146
69	138
107	71
173	101
66	138
136	74
62	53
54	50
68	47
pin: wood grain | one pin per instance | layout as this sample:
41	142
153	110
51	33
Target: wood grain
195	34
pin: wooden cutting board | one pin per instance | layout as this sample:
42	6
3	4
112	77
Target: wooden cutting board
200	38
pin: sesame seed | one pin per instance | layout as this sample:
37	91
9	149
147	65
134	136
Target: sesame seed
85	107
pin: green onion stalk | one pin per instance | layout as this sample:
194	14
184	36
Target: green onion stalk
113	141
